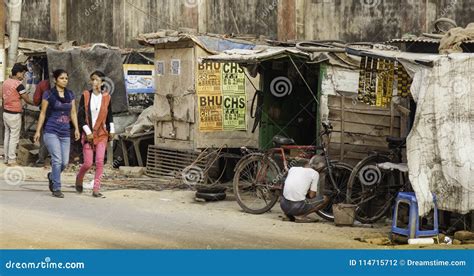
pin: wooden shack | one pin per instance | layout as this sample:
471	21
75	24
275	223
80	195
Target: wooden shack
324	89
197	106
358	127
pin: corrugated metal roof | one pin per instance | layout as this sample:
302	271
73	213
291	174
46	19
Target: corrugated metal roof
422	40
419	39
418	58
256	55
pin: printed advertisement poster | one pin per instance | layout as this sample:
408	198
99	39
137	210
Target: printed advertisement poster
234	112
139	78
233	79
208	79
210	112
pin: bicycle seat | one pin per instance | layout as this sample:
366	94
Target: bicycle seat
395	142
279	140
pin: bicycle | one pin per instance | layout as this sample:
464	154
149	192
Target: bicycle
258	179
377	180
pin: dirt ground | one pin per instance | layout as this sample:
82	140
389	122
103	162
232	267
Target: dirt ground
144	213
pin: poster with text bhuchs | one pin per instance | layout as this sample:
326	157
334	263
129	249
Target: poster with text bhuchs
222	101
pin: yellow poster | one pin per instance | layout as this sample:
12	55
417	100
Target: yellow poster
234	108
208	78
210	112
233	79
221	96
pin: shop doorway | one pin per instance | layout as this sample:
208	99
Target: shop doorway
290	109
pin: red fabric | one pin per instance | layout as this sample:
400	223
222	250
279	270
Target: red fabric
40	88
11	97
99	131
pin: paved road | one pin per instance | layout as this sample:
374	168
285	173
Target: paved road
31	218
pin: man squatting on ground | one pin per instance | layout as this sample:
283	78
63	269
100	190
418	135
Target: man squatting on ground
302	193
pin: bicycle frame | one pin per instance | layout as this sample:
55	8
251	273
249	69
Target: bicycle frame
263	172
286	167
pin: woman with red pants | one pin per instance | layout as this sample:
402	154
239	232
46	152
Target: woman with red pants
95	118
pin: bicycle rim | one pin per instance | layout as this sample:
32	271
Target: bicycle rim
254	180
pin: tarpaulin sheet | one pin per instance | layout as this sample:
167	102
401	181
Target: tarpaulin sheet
213	45
220	45
440	146
81	62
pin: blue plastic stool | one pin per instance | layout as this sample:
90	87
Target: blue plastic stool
413	230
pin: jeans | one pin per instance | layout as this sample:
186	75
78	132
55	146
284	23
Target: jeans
88	152
43	151
12	135
59	148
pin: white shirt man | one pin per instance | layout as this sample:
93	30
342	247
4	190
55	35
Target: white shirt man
301	194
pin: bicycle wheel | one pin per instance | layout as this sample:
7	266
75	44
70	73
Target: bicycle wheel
375	197
254	183
341	173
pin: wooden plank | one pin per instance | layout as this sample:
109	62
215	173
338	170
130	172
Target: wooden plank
175	144
286	21
362	111
342	128
359	139
371	130
350	155
357	148
366	118
349	104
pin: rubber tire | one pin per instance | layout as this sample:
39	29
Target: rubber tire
211	190
354	177
238	167
211	196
